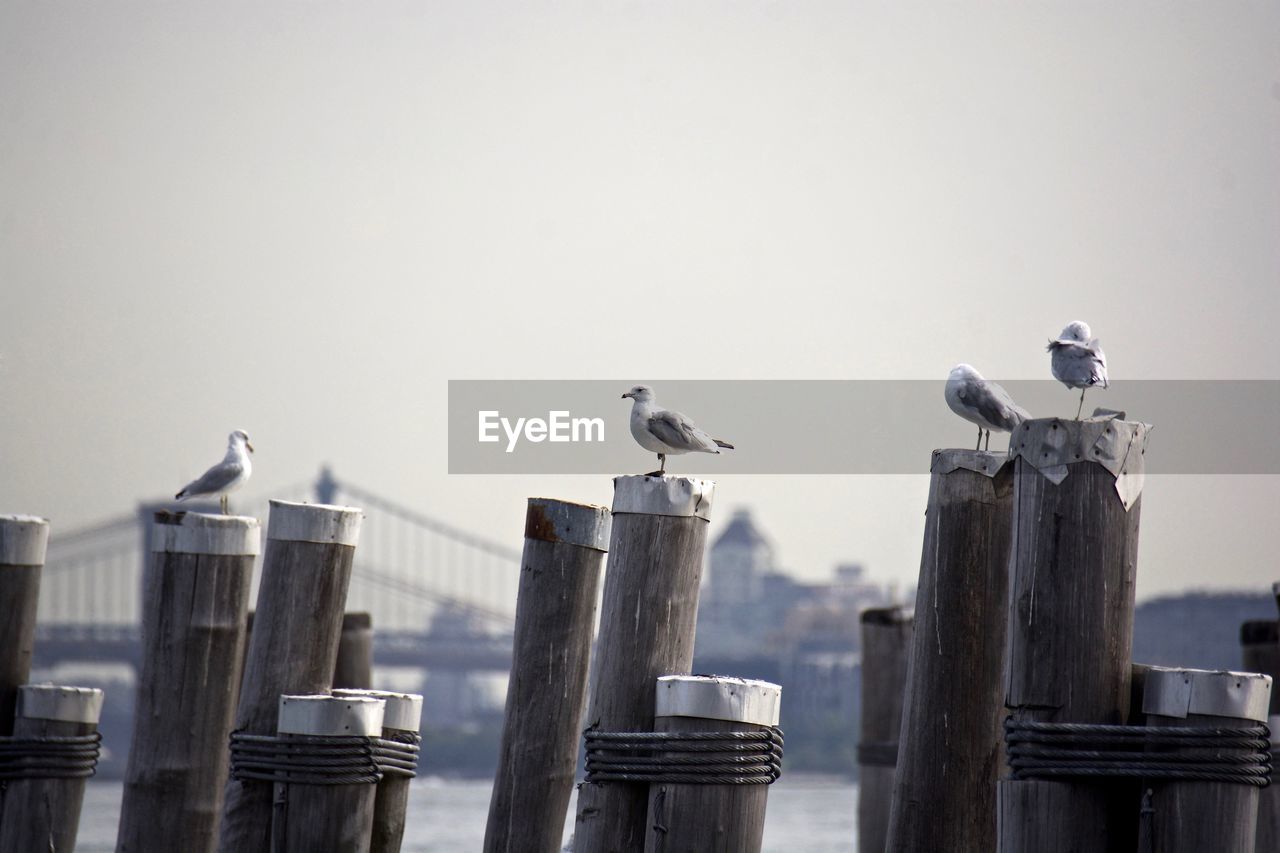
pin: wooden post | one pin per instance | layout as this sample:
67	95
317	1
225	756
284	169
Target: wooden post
330	818
195	595
690	818
886	650
564	551
1194	816
44	814
1260	647
949	746
1076	505
23	539
400	722
306	570
354	667
650	606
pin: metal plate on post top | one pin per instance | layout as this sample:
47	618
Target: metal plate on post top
666	495
1172	692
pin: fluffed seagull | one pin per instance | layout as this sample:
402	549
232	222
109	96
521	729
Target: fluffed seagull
983	403
227	476
665	432
1077	360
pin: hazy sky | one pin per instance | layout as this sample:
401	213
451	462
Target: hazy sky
302	219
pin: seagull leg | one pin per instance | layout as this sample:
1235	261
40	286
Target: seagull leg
662	461
988	440
1080	408
978	446
223	500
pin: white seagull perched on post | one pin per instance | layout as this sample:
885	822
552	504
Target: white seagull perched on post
665	432
227	476
983	403
1077	360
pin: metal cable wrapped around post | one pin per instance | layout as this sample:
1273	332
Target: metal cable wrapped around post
23	541
400	723
1260	652
196	592
42	812
564	553
353	669
1076	506
886	650
948	761
306	570
335	814
1192	815
647	621
713	814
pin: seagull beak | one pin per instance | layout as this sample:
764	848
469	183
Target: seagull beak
248	445
625	396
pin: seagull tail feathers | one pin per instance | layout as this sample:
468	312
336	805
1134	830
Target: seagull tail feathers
726	445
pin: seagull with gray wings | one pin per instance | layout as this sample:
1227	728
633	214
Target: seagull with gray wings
983	403
665	432
227	476
1077	360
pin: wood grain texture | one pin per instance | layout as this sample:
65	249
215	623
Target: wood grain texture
292	649
647	630
886	650
193	611
19	594
949	753
391	806
704	818
1072	569
323	818
42	815
555	616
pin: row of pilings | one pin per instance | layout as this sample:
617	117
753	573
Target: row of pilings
1020	721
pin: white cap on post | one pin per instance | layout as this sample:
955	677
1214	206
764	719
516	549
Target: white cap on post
1177	692
667	495
584	525
202	533
23	540
55	702
403	711
717	697
331	716
302	522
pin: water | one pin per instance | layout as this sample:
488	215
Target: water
816	814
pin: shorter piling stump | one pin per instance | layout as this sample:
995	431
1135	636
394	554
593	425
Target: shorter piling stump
401	744
354	667
886	650
1260	652
44	767
23	542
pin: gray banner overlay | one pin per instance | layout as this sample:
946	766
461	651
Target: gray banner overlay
837	426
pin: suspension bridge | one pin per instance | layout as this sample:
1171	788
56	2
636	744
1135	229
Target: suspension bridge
442	599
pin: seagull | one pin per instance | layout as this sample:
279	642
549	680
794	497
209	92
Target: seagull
1077	360
228	475
665	432
983	403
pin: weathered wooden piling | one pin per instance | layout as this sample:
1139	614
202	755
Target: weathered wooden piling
706	818
334	818
195	594
1260	651
1192	816
886	652
1076	505
944	790
23	539
43	813
306	570
659	534
564	551
354	667
400	723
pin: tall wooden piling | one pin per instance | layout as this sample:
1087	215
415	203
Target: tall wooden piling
564	551
944	791
400	722
1192	816
886	652
334	818
650	606
195	595
1260	652
306	570
698	818
354	667
1076	505
43	814
23	539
